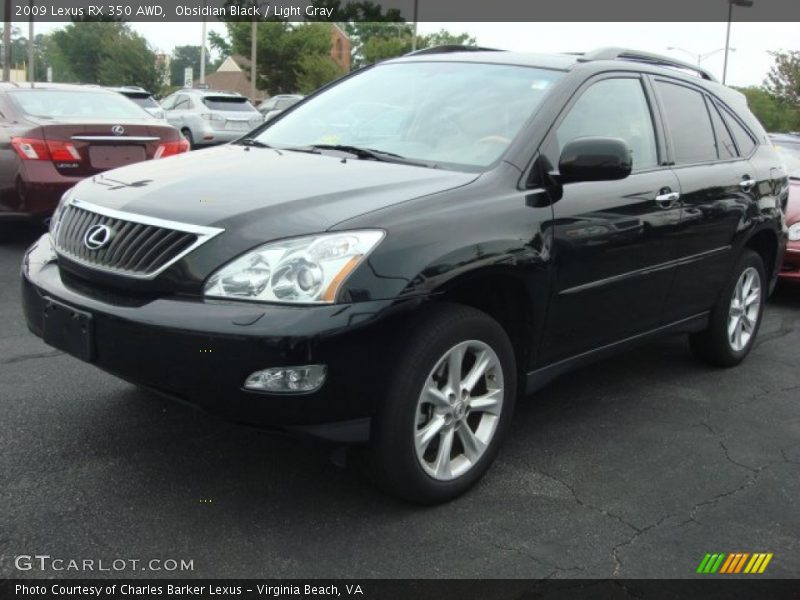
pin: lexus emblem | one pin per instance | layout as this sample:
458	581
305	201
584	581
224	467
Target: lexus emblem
118	130
97	236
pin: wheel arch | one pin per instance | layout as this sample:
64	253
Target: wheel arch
765	243
506	297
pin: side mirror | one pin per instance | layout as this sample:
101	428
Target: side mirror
594	159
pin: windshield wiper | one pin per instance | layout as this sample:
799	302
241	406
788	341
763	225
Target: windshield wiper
369	154
252	142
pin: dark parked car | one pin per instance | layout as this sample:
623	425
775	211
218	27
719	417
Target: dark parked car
530	213
54	135
141	97
788	146
274	106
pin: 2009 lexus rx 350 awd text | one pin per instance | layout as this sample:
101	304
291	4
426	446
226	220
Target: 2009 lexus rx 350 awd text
398	257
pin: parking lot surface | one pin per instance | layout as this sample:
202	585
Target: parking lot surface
634	467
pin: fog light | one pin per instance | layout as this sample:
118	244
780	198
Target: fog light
287	380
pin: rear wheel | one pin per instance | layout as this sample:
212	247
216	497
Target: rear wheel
736	317
449	403
188	135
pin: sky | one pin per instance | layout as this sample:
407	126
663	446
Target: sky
747	65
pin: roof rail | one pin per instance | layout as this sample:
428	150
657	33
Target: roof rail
445	49
644	57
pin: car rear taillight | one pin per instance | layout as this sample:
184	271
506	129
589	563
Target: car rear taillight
171	148
62	152
36	149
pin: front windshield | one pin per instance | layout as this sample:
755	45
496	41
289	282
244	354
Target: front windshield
790	153
57	104
459	114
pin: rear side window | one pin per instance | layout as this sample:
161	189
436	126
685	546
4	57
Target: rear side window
688	123
182	102
725	146
744	141
613	108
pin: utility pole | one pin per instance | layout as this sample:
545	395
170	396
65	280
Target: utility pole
743	3
414	36
253	65
7	43
31	64
203	54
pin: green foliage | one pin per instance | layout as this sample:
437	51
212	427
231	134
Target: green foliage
283	51
182	58
19	52
783	80
315	70
381	47
774	115
102	52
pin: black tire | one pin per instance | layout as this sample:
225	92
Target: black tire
391	457
713	345
188	135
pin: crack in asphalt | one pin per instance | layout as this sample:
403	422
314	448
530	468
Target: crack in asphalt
737	463
786	459
615	550
787	326
36	356
555	569
583	503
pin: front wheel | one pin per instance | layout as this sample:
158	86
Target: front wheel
448	405
736	317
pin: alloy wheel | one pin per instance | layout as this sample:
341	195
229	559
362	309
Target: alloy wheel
744	309
459	410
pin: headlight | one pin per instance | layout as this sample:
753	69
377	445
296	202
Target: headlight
794	232
306	270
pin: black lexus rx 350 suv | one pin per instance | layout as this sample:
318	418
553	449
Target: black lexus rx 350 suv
398	257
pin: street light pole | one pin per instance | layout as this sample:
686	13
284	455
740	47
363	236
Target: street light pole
203	54
701	56
743	3
414	36
7	43
31	64
253	58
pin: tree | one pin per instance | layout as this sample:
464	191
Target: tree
783	80
445	38
103	52
316	70
773	114
283	49
380	47
19	52
182	58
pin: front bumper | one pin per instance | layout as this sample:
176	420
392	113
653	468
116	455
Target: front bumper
201	351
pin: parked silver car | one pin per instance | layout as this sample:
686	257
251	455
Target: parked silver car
274	106
210	117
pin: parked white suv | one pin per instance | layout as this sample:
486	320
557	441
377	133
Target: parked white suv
210	117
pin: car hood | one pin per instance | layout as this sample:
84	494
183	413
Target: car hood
262	194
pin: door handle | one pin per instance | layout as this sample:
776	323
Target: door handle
667	199
747	183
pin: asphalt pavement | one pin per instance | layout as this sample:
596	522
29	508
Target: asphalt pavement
634	467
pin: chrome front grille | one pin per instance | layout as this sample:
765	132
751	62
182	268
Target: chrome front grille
138	246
